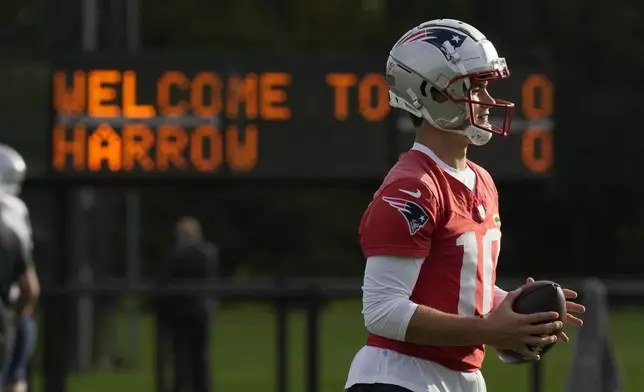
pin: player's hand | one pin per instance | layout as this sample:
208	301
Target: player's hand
571	307
510	330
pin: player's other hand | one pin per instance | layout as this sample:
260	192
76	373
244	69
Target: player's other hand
571	307
507	329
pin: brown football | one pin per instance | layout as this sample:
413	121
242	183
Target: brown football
536	297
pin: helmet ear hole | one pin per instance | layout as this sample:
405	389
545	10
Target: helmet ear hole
437	96
423	88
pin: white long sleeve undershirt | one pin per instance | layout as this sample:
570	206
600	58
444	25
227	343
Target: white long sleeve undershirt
387	287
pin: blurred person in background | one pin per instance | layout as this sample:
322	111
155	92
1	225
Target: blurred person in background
19	286
432	233
193	259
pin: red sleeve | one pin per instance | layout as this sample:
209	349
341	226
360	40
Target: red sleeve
399	221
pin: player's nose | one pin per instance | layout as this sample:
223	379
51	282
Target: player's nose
485	97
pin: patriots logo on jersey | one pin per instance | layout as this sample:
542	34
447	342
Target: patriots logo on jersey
414	214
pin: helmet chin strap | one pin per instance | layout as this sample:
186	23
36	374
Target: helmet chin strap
476	136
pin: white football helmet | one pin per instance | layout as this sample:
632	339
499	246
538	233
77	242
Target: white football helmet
430	72
12	170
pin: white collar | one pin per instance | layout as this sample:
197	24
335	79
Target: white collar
424	149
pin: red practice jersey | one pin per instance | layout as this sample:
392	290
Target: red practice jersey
422	211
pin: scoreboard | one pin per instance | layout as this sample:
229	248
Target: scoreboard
260	116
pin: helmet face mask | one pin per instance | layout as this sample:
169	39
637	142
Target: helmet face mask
476	79
440	71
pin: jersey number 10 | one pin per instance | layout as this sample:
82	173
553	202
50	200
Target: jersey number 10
480	254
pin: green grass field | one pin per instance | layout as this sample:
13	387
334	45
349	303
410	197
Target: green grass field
243	352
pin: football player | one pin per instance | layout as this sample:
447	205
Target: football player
432	233
23	294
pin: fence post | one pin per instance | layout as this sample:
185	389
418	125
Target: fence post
314	305
160	352
56	307
537	376
281	320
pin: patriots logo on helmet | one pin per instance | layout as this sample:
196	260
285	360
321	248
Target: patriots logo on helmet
438	37
414	214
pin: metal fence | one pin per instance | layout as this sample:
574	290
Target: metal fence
313	293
